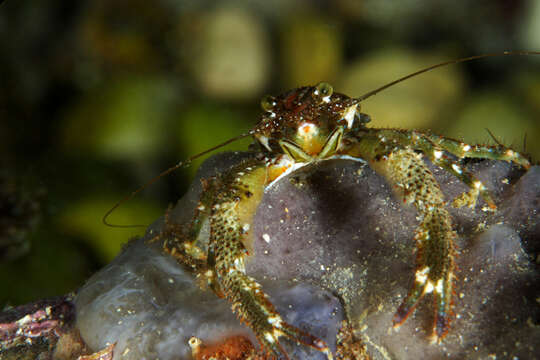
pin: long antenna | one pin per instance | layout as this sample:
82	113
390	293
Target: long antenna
445	63
361	98
168	171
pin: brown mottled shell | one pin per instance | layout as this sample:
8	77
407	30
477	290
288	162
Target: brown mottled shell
299	105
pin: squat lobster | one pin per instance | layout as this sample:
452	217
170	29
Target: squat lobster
305	126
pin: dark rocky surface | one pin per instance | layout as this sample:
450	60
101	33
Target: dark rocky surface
332	240
151	307
340	227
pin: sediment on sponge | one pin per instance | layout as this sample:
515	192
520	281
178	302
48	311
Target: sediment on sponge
332	242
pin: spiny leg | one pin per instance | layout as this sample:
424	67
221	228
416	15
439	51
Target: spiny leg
434	273
235	200
439	157
435	236
437	152
462	150
477	188
183	241
254	308
407	172
437	149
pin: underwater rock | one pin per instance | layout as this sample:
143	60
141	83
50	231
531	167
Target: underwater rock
151	307
339	226
40	330
330	235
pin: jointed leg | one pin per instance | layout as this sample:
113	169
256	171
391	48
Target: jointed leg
435	271
407	172
477	188
435	236
440	158
253	307
437	149
463	150
181	242
235	200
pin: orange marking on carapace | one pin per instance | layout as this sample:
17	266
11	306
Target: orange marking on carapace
312	142
274	171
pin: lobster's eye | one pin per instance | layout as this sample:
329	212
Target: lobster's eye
268	103
323	91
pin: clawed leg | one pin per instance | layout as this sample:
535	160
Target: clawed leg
434	272
254	308
180	241
236	197
398	155
414	182
477	188
435	148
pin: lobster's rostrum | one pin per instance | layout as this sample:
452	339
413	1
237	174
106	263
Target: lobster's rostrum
312	124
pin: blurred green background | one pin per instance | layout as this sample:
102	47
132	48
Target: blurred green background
97	97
